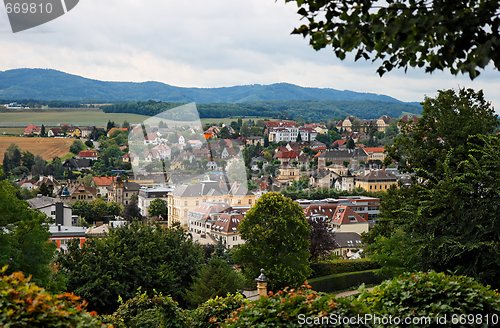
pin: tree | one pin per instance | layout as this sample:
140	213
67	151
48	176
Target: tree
77	147
446	123
444	221
148	257
12	158
23	237
407	33
299	137
350	144
158	207
132	211
109	126
126	125
322	239
216	278
276	236
42	131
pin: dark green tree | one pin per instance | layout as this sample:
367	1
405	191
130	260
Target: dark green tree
322	239
216	278
42	131
132	210
24	237
148	257
276	235
27	160
407	33
11	159
158	207
76	147
350	144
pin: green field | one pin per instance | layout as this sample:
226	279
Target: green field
11	131
83	117
11	122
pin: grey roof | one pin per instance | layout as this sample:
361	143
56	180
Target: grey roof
378	176
66	231
348	239
344	153
131	186
78	162
42	201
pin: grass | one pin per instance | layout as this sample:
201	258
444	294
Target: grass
11	131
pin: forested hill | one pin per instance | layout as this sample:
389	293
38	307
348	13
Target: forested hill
47	85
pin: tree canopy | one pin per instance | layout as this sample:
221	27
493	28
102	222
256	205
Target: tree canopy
459	35
276	235
132	257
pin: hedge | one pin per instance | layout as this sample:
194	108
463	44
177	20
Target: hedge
329	267
343	281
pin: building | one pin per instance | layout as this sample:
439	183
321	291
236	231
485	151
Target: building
225	229
32	130
376	180
54	209
61	235
147	195
78	191
345	219
382	123
88	154
114	130
375	154
283	134
55	132
347	242
254	141
341	157
102	184
78	164
122	192
186	197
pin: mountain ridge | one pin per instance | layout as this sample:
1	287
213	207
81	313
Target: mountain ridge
49	84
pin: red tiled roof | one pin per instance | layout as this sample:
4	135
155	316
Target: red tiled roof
339	142
324	210
87	153
374	149
287	154
345	215
276	124
103	181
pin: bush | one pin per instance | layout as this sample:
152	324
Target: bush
288	307
343	281
24	304
329	267
144	311
432	295
214	311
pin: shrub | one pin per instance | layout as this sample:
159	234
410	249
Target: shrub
288	307
328	267
343	281
144	311
24	304
431	295
214	311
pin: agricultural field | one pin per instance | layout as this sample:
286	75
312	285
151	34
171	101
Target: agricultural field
77	117
47	148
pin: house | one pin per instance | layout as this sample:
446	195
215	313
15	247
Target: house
287	174
317	146
56	210
376	180
147	195
382	123
212	132
88	154
287	157
341	157
375	154
102	184
122	191
319	128
254	141
55	132
307	134
225	229
32	130
345	219
189	196
347	242
78	164
340	144
283	134
62	235
322	178
74	132
200	220
78	191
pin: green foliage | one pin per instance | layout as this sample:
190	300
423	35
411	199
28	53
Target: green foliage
328	267
96	210
409	33
322	239
76	147
157	311
24	237
342	281
285	308
24	304
216	278
447	121
12	159
432	294
135	256
216	310
275	228
158	207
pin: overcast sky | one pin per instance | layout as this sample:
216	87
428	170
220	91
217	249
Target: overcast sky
200	43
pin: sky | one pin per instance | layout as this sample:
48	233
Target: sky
200	43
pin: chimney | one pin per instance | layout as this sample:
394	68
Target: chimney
58	227
261	284
59	214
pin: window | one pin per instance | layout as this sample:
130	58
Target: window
53	213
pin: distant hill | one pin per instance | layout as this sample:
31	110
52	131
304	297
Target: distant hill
47	85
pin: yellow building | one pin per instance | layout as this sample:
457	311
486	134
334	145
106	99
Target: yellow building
186	197
376	180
